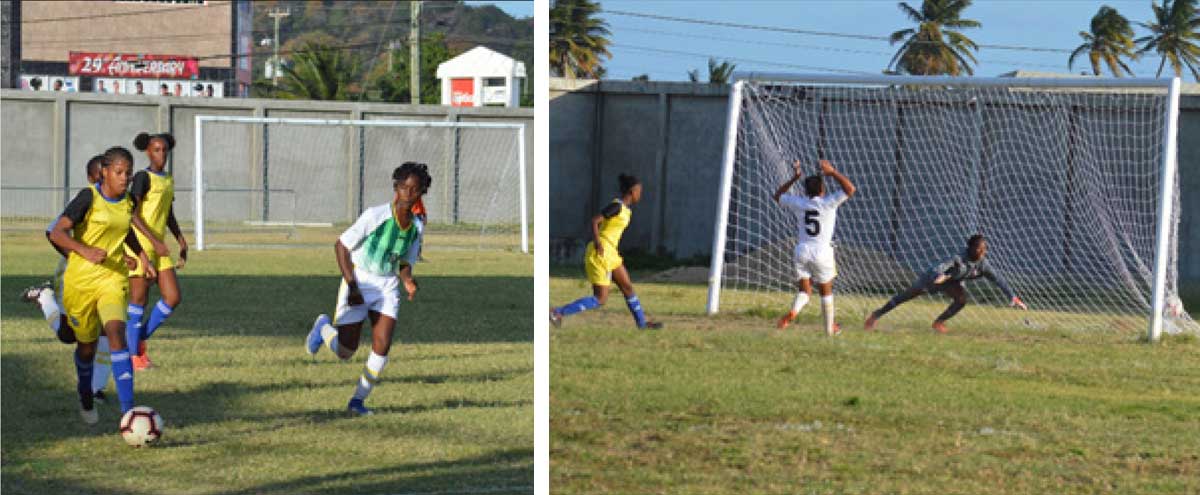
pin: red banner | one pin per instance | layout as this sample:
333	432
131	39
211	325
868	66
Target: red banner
131	65
462	92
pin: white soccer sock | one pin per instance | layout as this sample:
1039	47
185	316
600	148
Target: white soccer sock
101	368
799	302
330	335
827	312
50	308
370	375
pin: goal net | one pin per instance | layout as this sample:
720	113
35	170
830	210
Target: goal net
1066	182
268	180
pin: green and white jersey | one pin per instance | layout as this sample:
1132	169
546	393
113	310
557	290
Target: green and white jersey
378	245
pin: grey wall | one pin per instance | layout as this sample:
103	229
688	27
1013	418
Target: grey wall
671	135
48	137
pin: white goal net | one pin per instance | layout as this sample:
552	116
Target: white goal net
263	175
1066	182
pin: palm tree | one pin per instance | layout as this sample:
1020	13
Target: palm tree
1174	35
318	72
717	73
1110	39
935	46
577	39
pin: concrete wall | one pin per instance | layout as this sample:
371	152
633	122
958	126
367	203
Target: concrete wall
671	136
48	137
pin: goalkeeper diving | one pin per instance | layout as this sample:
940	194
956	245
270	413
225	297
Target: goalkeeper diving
948	277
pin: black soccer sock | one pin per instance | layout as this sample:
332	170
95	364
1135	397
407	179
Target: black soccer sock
896	300
954	308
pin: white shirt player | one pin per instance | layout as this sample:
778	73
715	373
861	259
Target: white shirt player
814	251
818	217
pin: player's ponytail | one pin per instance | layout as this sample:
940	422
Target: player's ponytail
142	141
627	182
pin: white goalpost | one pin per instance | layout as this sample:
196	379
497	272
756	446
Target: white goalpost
252	172
1072	180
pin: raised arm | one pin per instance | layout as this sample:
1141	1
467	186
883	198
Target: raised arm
783	188
847	186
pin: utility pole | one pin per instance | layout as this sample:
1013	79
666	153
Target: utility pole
414	74
278	15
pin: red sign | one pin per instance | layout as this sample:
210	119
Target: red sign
131	65
462	92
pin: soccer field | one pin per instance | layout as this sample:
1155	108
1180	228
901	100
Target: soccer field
730	405
247	411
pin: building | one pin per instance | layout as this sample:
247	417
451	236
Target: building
111	46
481	77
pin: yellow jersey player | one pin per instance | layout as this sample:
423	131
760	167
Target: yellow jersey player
92	229
375	255
153	195
603	263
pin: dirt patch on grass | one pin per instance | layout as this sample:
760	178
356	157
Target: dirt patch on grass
681	275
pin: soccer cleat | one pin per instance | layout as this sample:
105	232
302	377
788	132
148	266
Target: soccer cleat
313	342
87	410
99	395
837	330
870	323
940	327
556	318
653	325
31	294
90	416
141	361
357	408
786	320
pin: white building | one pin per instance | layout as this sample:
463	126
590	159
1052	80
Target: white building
481	77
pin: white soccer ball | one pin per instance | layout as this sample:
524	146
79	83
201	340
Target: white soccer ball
141	426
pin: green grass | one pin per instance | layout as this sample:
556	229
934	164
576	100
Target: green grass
730	405
249	412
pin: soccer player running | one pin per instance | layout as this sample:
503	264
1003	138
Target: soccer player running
603	263
375	255
814	258
48	297
948	277
153	195
92	229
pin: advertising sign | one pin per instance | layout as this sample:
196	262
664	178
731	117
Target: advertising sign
132	65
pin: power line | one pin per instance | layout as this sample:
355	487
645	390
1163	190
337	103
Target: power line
165	10
755	27
740	59
811	47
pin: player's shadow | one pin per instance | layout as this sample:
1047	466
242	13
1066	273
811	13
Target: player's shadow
447	309
506	471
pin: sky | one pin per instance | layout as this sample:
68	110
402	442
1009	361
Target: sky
666	50
517	9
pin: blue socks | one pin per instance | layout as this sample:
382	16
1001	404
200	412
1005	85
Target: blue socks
635	308
133	329
122	370
578	306
157	317
83	370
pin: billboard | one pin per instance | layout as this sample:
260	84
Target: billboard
96	64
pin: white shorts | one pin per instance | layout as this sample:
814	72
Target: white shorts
819	266
381	294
